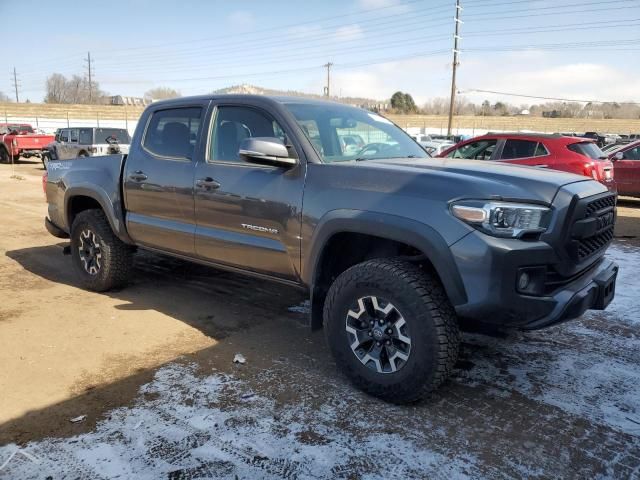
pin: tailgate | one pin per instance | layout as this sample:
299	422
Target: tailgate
32	142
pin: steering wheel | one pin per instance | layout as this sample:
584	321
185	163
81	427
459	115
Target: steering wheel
374	148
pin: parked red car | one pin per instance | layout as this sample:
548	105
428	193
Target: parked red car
569	154
626	164
19	139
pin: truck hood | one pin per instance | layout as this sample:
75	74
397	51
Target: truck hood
459	178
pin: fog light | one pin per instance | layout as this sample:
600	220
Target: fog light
523	281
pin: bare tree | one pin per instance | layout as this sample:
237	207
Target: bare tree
160	93
72	90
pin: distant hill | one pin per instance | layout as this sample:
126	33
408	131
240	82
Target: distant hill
255	90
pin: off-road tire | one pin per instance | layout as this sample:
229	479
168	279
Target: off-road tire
430	319
116	256
4	155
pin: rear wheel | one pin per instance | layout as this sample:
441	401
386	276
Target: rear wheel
4	155
102	260
391	329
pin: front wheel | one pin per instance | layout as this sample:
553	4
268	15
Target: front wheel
391	329
102	260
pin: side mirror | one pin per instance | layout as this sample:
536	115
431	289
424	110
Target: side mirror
618	156
267	151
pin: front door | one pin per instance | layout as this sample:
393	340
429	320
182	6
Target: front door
627	172
158	179
248	215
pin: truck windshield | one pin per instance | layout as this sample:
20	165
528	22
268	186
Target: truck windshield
21	128
119	135
342	133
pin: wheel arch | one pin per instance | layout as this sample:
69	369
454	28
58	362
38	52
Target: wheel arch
392	235
80	198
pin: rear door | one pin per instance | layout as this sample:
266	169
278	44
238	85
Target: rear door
62	148
248	215
525	152
158	178
627	172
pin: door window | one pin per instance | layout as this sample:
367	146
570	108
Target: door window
173	133
64	135
73	137
632	154
480	150
518	149
234	124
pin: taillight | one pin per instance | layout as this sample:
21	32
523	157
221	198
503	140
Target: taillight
45	177
15	142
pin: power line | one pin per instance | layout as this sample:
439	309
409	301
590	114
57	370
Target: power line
555	8
456	37
509	94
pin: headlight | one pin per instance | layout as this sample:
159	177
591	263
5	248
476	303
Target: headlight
503	219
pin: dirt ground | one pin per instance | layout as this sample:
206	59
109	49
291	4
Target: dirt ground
151	368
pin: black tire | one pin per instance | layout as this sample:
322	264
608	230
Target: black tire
430	323
4	155
108	265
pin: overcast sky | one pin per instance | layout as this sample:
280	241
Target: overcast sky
570	49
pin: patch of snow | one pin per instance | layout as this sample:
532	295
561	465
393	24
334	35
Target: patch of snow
304	308
194	428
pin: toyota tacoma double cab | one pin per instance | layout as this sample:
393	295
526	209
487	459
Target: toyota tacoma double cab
394	248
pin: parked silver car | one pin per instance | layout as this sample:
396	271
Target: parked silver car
88	141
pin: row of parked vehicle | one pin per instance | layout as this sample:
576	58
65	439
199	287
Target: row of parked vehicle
617	167
20	140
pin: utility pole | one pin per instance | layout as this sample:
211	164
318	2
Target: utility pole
88	60
16	84
328	66
456	37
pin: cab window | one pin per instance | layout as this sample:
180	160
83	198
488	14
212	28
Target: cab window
479	150
234	124
173	133
64	135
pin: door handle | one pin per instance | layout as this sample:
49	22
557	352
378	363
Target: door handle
138	176
207	182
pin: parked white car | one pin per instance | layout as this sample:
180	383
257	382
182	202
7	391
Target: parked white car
435	147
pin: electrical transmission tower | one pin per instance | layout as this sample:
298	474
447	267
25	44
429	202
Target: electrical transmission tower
16	84
327	89
456	37
88	60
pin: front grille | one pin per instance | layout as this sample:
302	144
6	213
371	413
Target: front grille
592	245
592	227
600	204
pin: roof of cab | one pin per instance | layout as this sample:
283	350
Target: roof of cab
240	97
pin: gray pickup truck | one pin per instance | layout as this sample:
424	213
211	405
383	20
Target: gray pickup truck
394	248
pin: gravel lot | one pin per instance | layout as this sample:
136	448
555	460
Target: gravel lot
151	369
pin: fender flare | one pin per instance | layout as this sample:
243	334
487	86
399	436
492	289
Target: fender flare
112	209
420	236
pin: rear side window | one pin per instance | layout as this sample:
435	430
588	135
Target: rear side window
588	149
173	133
519	149
86	136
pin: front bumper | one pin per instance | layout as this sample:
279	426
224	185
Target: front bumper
489	269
